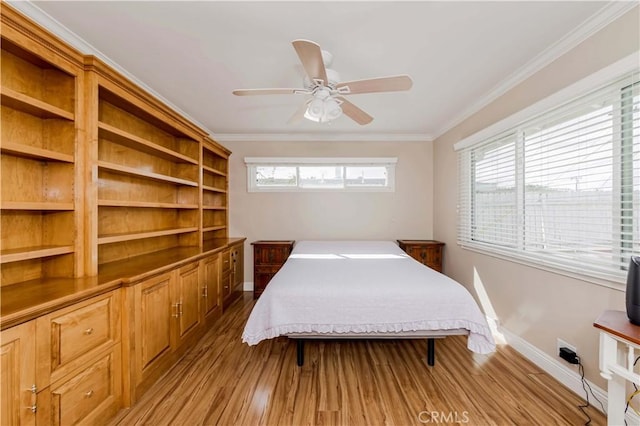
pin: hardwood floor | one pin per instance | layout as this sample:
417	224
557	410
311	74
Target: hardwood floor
223	381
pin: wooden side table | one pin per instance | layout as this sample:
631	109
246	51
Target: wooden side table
619	347
427	252
268	258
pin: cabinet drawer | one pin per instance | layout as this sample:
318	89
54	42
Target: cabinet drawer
225	260
91	395
271	255
76	332
426	255
225	282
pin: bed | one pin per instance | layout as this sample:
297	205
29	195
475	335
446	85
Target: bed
364	289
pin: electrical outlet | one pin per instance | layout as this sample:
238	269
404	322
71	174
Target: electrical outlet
562	344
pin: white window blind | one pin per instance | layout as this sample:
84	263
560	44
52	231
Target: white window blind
562	189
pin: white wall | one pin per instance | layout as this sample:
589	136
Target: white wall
536	305
405	213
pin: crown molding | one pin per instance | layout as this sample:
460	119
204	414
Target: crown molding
48	22
603	17
322	137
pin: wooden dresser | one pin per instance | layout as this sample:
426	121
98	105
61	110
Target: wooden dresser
268	258
427	252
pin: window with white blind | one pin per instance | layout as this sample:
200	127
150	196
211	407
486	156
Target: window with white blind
561	190
288	174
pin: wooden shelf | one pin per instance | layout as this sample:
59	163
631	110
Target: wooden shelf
33	152
213	208
32	106
122	237
213	228
36	205
212	170
213	189
132	171
121	137
27	253
145	204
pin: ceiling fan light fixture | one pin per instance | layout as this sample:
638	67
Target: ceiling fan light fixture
316	108
323	108
332	109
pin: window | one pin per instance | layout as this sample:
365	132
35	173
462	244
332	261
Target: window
560	190
320	174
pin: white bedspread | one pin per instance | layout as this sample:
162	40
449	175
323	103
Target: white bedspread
362	287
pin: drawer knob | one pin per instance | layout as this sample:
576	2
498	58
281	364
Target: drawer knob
33	408
88	394
88	331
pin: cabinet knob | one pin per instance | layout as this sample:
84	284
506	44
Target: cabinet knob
88	331
33	408
34	388
88	394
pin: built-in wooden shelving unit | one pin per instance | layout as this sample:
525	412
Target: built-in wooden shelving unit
114	212
40	114
215	185
148	163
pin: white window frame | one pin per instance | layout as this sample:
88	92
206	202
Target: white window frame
253	163
613	279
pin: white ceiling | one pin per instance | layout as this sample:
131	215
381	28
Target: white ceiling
459	54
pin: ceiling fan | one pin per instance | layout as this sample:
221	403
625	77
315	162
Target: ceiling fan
327	93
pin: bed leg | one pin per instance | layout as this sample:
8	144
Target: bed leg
431	352
300	352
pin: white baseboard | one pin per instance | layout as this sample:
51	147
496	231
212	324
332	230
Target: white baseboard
560	372
247	286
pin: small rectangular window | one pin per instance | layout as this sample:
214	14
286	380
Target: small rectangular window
265	174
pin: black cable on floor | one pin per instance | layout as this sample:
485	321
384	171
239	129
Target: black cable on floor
585	386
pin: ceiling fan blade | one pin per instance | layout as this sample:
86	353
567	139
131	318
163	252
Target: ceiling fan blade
251	92
299	114
372	85
310	55
354	113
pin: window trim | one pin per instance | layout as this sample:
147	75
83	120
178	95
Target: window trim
253	162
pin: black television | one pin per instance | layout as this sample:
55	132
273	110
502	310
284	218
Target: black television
633	290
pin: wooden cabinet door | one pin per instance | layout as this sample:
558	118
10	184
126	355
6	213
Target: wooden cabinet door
18	372
187	298
210	285
153	316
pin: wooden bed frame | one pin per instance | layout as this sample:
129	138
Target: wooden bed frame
430	335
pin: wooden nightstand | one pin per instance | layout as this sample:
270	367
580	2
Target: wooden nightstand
268	258
427	252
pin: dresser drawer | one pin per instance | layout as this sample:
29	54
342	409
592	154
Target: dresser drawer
89	396
80	331
427	252
225	260
426	255
74	334
271	254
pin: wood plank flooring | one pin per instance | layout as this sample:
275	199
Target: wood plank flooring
222	381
